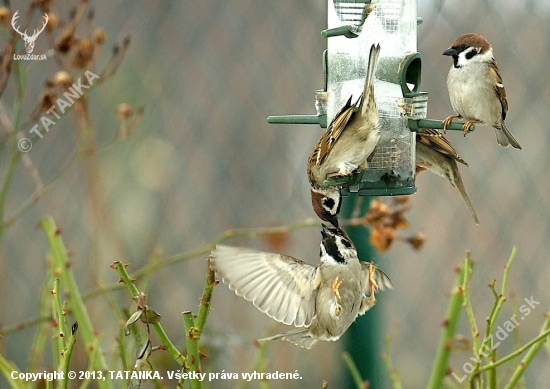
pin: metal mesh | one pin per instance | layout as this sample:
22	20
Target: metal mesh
203	159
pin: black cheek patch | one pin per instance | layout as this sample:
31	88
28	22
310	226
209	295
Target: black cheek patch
471	54
328	203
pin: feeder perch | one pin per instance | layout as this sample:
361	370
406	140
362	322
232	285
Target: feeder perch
402	107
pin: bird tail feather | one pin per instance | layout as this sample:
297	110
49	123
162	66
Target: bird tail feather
505	137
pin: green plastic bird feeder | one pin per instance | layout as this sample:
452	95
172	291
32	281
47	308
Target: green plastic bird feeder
353	26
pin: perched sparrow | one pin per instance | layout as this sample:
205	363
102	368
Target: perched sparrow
475	87
435	153
351	136
322	300
326	204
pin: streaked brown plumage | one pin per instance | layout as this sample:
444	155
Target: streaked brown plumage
351	136
435	153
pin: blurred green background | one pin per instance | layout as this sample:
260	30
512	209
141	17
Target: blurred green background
203	159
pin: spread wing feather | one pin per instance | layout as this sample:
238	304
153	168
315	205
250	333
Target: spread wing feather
283	287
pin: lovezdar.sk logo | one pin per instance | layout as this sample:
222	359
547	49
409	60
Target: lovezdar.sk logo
29	40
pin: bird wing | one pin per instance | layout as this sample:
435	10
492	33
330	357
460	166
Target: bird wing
334	130
499	88
436	141
282	287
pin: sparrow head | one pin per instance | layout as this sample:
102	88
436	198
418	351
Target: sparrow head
336	245
469	48
326	204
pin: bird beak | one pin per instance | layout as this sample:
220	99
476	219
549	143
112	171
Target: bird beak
450	52
333	219
326	232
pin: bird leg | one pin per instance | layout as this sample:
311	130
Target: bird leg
335	285
468	124
373	286
448	120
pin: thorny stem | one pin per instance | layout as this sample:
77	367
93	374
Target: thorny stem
59	330
491	320
468	267
165	341
68	352
535	345
192	337
194	327
445	346
60	266
517	352
204	306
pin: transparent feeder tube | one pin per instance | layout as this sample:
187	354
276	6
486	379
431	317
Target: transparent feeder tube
392	24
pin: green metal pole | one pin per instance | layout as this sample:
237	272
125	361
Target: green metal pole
363	340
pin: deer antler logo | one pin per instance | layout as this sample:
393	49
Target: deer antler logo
29	40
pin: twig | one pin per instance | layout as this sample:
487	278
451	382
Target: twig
354	371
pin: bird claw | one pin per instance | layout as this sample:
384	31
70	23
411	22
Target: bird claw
467	125
448	120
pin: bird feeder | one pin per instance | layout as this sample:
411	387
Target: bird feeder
353	26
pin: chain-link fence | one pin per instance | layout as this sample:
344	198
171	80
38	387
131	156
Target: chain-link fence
203	159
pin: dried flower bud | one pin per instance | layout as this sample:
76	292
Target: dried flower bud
381	238
62	78
124	111
65	42
84	54
417	240
98	36
44	4
5	16
53	21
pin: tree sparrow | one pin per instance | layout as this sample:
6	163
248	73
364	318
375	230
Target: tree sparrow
323	300
326	203
475	87
435	153
351	136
